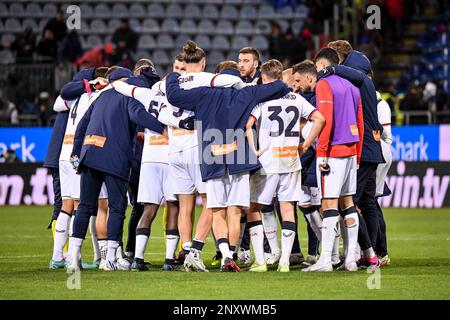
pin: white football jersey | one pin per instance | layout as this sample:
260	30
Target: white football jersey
278	128
384	117
78	108
181	139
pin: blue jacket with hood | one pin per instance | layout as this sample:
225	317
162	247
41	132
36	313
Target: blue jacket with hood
225	110
355	69
308	159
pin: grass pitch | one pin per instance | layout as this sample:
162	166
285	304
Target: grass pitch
418	241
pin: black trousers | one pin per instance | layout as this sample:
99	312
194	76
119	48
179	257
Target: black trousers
136	214
57	204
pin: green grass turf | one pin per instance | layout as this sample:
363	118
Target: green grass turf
419	247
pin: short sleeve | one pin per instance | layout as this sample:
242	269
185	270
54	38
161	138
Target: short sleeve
384	113
257	112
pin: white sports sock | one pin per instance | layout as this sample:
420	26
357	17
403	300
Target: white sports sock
171	245
344	237
313	225
76	244
287	240
187	246
335	253
316	219
328	238
119	252
61	233
93	231
271	230
141	245
225	250
257	240
352	235
112	249
103	245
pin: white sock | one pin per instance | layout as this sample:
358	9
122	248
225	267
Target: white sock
316	219
112	249
257	240
314	227
93	231
141	245
329	226
171	245
271	230
103	245
352	235
224	248
335	254
187	246
76	244
287	240
344	237
61	233
119	252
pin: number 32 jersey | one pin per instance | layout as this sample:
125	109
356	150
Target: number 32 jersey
278	128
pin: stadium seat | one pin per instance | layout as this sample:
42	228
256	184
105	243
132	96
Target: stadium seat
224	27
12	25
244	27
214	57
159	58
164	41
170	26
84	27
285	13
229	12
266	12
297	25
150	26
7	38
301	12
87	11
192	11
248	12
113	24
137	10
135	25
141	54
233	1
155	10
98	26
33	10
146	42
17	10
262	27
174	10
210	12
30	23
120	10
239	42
49	10
220	43
206	26
181	40
93	41
260	43
283	24
3	10
102	11
188	26
203	41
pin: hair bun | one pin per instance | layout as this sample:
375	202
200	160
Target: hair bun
190	47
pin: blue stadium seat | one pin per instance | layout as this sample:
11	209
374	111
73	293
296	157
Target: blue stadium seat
98	26
164	41
30	23
12	25
7	38
135	25
174	10
262	27
113	24
192	11
3	10
137	10
142	54
285	13
248	12
297	26
244	27
206	26
224	27
159	57
150	26
102	10
87	11
146	42
120	10
33	10
266	12
181	40
49	10
170	26
203	41
229	12
239	42
220	43
260	43
93	41
301	12
210	12
188	26
17	10
84	27
155	10
214	57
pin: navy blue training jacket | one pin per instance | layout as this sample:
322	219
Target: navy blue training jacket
308	159
222	109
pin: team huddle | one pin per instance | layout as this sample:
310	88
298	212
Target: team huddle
254	141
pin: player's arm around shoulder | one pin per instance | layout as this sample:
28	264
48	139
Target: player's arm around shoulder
60	105
184	99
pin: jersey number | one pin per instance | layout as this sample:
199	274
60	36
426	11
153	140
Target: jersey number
153	108
274	116
73	112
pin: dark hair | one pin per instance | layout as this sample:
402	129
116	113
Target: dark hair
192	53
272	68
179	57
342	47
227	64
142	63
251	50
100	72
306	66
328	54
111	70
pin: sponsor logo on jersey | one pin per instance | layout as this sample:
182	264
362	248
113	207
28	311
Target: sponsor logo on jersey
354	129
285	152
376	135
219	150
68	139
158	140
177	132
95	140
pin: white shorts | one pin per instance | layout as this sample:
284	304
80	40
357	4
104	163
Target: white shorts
70	182
285	186
185	169
383	168
340	180
155	183
229	190
310	196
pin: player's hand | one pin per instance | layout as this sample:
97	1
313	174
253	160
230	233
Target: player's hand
322	162
75	161
305	146
140	137
187	123
98	83
260	152
165	133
